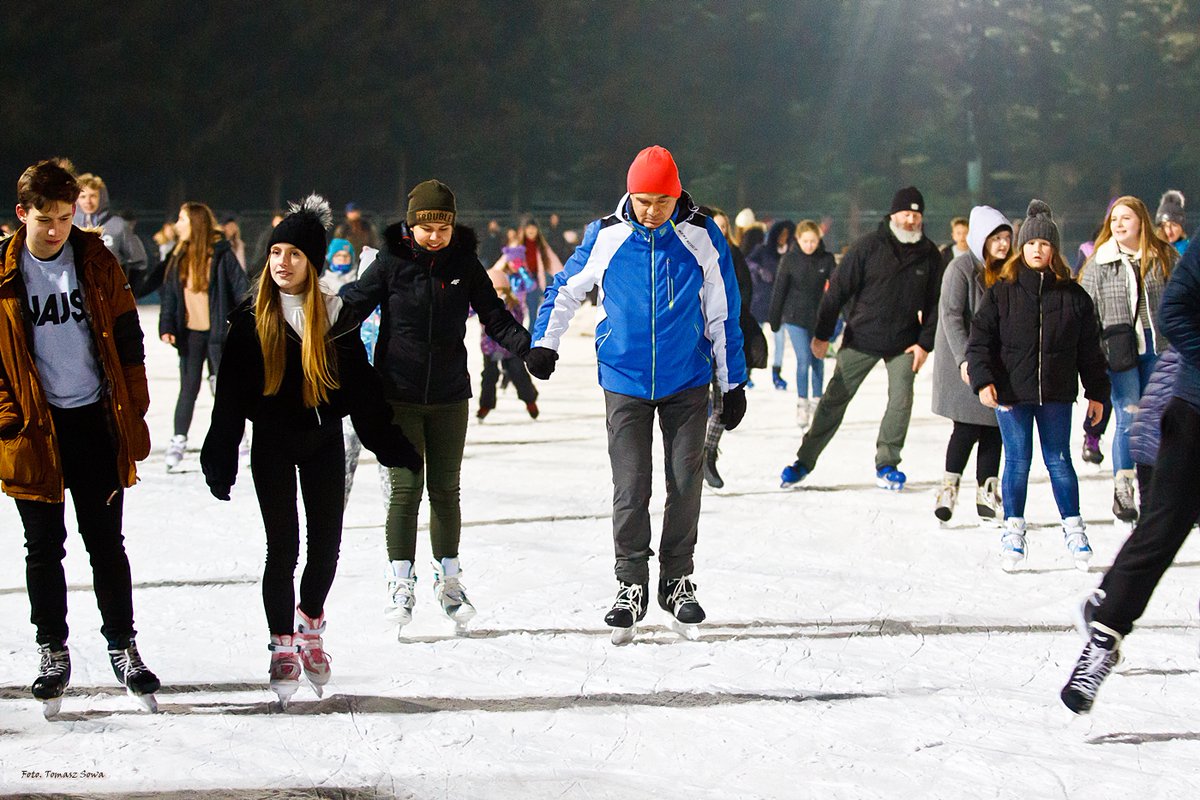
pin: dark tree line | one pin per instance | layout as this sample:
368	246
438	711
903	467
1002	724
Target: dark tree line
808	104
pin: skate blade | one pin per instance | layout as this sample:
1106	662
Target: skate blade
1010	564
622	636
284	692
318	689
890	486
148	702
397	616
690	632
1081	565
51	707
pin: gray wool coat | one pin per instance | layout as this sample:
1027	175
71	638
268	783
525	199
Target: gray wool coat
962	291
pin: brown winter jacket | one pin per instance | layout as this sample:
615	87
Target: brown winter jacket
29	462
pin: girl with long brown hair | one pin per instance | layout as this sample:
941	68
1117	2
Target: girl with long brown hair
203	282
294	367
1125	278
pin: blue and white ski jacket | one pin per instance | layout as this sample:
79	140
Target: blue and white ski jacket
668	303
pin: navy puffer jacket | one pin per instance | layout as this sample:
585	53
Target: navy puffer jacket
1145	434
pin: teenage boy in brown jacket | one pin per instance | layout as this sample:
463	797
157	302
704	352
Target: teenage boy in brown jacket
73	395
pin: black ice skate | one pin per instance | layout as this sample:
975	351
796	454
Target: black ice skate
711	476
134	675
677	596
54	675
628	610
1099	656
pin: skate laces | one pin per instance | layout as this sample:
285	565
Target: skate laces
128	660
402	590
630	597
1094	665
682	593
450	587
1013	541
1124	493
53	662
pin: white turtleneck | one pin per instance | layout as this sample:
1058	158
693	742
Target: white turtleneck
292	306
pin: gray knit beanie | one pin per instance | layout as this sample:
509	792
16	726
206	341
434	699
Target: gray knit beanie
1170	208
1039	224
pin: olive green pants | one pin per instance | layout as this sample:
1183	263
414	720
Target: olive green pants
439	432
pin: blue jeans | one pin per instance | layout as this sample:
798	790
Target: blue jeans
1127	388
777	351
1054	431
805	362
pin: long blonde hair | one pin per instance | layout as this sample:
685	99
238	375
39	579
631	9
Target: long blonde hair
195	254
316	351
1156	252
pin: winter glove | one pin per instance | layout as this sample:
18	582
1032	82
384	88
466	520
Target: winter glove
220	490
733	408
399	452
540	362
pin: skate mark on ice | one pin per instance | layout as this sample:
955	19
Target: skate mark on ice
165	584
296	793
1144	738
1142	671
484	523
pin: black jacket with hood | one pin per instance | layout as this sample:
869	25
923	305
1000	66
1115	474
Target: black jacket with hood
425	298
227	287
799	287
888	293
1032	337
240	397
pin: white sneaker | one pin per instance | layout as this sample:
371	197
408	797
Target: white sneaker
1013	549
175	450
947	497
1077	542
401	589
803	413
448	588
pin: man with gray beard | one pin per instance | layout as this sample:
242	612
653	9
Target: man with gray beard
887	286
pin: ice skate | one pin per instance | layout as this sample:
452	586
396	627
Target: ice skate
285	666
947	497
1012	544
1091	449
1085	611
628	610
777	379
711	476
803	413
313	658
1124	504
1101	653
175	450
401	589
447	587
792	475
134	675
987	501
54	675
890	478
677	596
1077	542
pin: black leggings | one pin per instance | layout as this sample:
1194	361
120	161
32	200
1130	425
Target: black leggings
193	353
514	368
89	464
987	459
276	455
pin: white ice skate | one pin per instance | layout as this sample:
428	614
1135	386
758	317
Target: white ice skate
175	451
313	658
285	667
1076	541
947	497
448	589
987	502
401	595
803	413
1013	548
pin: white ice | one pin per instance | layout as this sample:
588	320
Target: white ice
854	648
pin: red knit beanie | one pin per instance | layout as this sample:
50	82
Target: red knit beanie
654	172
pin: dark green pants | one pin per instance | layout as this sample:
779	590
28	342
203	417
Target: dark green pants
852	369
439	432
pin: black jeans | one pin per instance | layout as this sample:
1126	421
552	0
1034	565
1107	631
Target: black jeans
193	354
514	368
1166	520
89	464
987	458
276	455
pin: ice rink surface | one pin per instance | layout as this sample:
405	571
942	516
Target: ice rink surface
855	648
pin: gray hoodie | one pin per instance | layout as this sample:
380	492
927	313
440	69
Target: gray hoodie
118	238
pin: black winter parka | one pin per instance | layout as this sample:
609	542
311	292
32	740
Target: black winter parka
240	398
888	293
227	287
425	298
1035	339
799	287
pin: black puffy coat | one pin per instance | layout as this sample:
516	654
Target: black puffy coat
888	293
799	287
425	299
754	344
240	396
227	287
1034	339
764	263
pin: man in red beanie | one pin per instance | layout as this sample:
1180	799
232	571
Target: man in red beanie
668	310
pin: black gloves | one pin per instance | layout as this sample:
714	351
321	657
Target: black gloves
399	452
733	407
220	490
540	362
